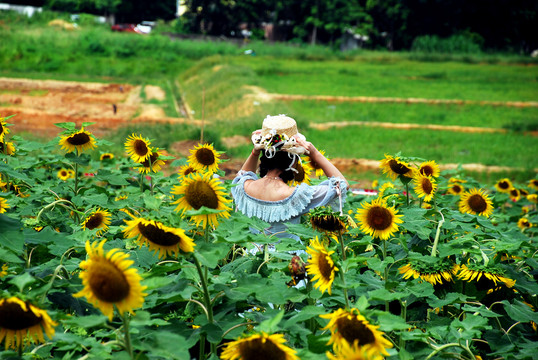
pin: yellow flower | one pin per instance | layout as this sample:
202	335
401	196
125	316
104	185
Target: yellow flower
504	185
158	237
429	168
138	148
355	352
4	130
523	224
378	220
106	156
476	202
186	170
98	219
425	186
321	266
434	273
302	175
3	205
152	163
455	189
514	194
394	167
315	166
533	198
7	148
23	323
375	184
473	272
108	281
533	184
4	272
384	187
80	141
257	347
204	158
63	174
202	190
324	219
351	328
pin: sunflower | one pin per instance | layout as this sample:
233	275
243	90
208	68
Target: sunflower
523	192
3	271
202	190
152	163
385	187
354	352
375	184
186	170
138	148
453	180
63	174
23	323
321	265
98	219
259	346
4	130
533	184
304	170
3	205
425	186
378	220
349	326
435	274
158	237
394	167
71	173
7	148
523	224
474	272
314	165
106	156
429	168
204	158
476	202
455	188
80	141
324	219
109	281
533	198
504	185
514	194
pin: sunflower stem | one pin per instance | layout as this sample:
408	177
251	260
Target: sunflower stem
127	334
437	233
344	286
341	238
407	193
207	299
141	181
386	271
311	322
404	317
441	348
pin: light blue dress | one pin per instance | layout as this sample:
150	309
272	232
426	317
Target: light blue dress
290	209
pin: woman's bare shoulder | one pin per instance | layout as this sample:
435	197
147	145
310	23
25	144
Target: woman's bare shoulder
272	191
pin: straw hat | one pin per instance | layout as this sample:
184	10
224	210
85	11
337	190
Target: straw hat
278	132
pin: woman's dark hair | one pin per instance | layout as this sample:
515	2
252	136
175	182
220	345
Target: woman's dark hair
282	161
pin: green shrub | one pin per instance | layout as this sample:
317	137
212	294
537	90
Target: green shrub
459	44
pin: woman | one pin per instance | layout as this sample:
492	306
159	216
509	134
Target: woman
268	196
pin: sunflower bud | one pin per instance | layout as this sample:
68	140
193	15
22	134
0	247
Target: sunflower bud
297	268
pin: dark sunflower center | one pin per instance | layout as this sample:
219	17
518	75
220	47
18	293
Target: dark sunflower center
78	139
327	223
13	317
398	167
200	194
325	268
205	156
1	144
379	218
504	184
1	129
426	170
257	349
534	182
427	186
477	203
107	156
525	223
94	221
456	188
189	171
299	176
63	173
354	329
108	283
157	235
140	147
514	192
153	157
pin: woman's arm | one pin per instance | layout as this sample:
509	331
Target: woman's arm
251	164
328	168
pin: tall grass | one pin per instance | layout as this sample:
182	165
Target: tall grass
459	44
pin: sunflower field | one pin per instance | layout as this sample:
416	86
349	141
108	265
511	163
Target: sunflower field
109	256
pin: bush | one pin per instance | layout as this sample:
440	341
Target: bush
461	44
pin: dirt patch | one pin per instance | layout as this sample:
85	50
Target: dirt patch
154	93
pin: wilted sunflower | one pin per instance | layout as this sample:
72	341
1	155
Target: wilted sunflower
152	163
4	130
7	148
63	174
476	202
533	198
22	323
349	326
394	167
504	185
475	272
434	273
98	219
425	186
80	140
314	165
106	156
324	219
158	237
523	224
455	188
514	194
186	170
259	346
204	158
138	148
429	168
378	220
533	184
109	281
321	265
202	190
3	205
